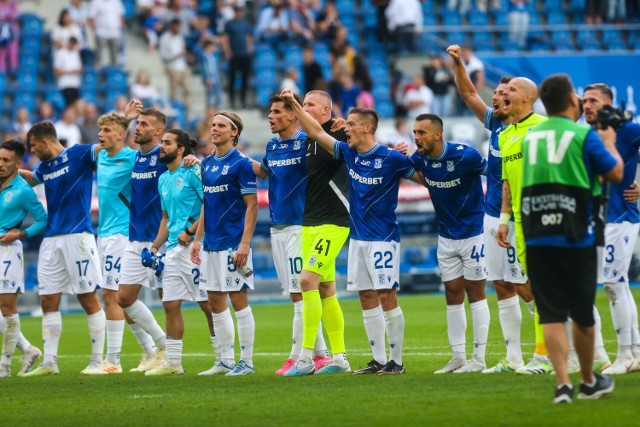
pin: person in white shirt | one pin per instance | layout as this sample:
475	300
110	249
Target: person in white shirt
404	21
173	52
419	98
67	67
106	18
65	29
67	129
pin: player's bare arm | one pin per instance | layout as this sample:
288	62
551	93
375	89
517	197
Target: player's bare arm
258	170
28	176
197	246
186	237
465	86
250	219
163	234
505	212
312	128
631	194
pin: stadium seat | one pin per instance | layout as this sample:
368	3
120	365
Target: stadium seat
610	36
429	20
263	93
482	41
455	37
381	90
616	46
3	84
384	109
342	262
367	9
24	99
345	7
31	25
53	96
129	8
293	58
205	7
501	18
370	22
451	18
30	44
477	17
89	95
26	80
553	5
29	62
578	6
379	73
556	18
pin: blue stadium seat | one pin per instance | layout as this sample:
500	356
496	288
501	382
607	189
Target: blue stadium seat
451	18
552	5
583	36
263	93
30	44
590	46
3	84
90	78
616	46
477	17
427	7
610	36
345	7
501	18
89	95
263	265
55	98
367	9
129	8
560	36
342	261
29	62
26	99
379	73
534	18
266	76
293	57
381	91
482	40
556	18
370	22
205	7
384	109
31	24
578	6
414	255
428	42
115	79
455	37
429	20
26	80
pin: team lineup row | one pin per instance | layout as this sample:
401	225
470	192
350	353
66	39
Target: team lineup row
149	201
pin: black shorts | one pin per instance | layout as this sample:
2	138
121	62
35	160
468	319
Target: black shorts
563	281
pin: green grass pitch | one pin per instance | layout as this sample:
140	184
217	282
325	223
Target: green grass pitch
417	398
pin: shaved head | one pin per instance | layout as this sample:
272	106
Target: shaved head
527	86
519	97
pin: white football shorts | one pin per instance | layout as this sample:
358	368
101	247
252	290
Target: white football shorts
286	248
619	244
181	277
464	257
373	265
111	250
502	264
218	274
133	272
11	268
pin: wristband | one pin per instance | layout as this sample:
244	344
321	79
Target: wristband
186	230
505	218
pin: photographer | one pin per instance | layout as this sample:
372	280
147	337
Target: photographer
561	161
621	231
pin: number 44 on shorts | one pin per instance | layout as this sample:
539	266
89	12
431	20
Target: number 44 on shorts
477	255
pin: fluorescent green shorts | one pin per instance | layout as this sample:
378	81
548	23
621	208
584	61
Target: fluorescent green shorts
320	247
521	248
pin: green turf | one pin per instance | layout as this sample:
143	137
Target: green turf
416	398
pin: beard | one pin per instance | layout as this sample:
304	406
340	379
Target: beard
167	157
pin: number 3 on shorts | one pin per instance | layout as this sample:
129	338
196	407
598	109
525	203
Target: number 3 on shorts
320	247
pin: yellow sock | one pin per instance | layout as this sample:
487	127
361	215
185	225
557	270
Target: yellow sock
541	347
333	321
311	315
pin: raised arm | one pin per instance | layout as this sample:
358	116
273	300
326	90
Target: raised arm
465	86
312	128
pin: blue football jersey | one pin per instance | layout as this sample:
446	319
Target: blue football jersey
181	198
17	200
114	191
627	142
68	182
225	180
493	197
146	211
286	166
455	187
374	181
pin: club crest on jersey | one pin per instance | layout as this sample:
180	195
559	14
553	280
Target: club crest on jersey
377	164
225	169
153	160
381	279
64	158
435	165
8	197
179	183
119	162
215	168
450	166
296	145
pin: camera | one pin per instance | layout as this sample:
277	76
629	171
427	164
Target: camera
614	117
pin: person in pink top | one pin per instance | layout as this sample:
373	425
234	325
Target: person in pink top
8	35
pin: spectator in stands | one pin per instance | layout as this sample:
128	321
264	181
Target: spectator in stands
382	32
365	98
439	79
594	11
311	69
143	90
399	133
419	98
89	128
290	81
272	24
153	26
210	71
45	113
173	53
349	92
203	129
237	43
302	21
21	125
67	129
225	13
404	21
106	18
120	105
475	70
461	6
340	49
67	67
617	11
8	35
65	29
186	16
482	5
361	73
327	22
518	22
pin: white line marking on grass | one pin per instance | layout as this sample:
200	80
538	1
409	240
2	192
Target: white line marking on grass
146	396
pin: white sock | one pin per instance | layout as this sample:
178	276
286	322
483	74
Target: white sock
481	318
144	339
173	354
511	323
216	347
394	325
320	348
635	332
573	356
374	326
531	306
51	331
97	322
296	334
2	323
23	344
142	316
456	329
10	338
620	314
599	354
115	331
306	353
225	334
246	334
340	358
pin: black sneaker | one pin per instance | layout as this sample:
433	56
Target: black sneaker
604	385
391	368
372	368
564	394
